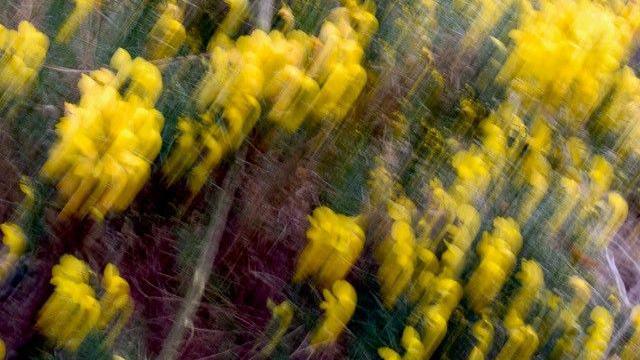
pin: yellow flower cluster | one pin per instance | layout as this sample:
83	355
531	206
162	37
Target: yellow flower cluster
619	116
412	344
434	310
296	74
473	176
581	293
462	223
531	279
522	343
396	254
22	53
73	311
598	334
512	154
523	340
15	243
534	181
410	266
567	52
441	207
483	332
335	243
168	34
498	252
602	211
382	185
529	149
107	142
238	10
339	305
566	62
568	318
79	14
449	224
630	349
612	211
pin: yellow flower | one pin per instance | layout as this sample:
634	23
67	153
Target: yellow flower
534	174
522	343
531	280
497	252
15	243
299	76
339	305
581	293
582	44
238	12
115	303
339	92
598	334
567	201
73	311
434	313
24	52
168	34
292	93
412	344
473	176
13	238
335	243
397	256
107	142
601	176
483	334
630	349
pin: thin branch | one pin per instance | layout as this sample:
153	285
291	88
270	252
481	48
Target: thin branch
204	265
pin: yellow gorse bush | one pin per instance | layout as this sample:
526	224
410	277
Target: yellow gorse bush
566	54
498	252
22	53
335	243
238	12
620	114
483	331
397	262
412	344
297	75
434	312
521	344
339	305
523	340
598	334
168	34
531	280
107	142
73	310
